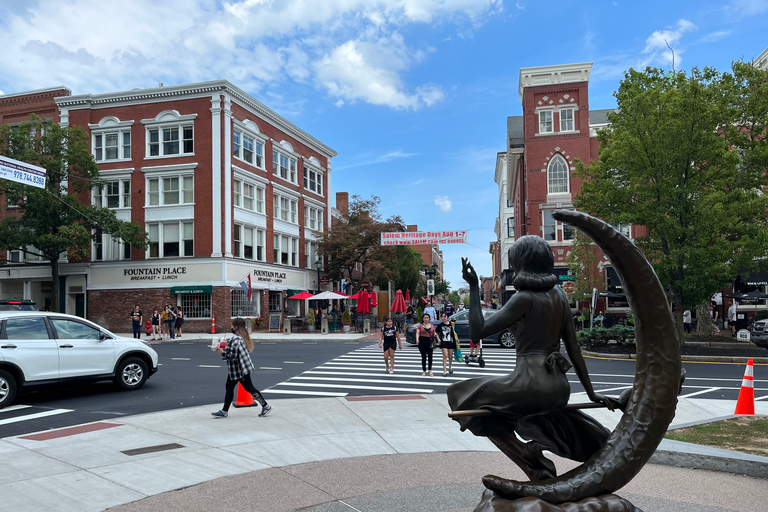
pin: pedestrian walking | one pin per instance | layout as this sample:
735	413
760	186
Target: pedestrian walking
179	322
732	318
425	334
155	321
137	318
389	339
687	321
430	310
408	315
239	368
445	334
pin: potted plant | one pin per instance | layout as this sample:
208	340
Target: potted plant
346	320
256	323
311	320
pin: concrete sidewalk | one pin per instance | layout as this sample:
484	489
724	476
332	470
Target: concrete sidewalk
330	454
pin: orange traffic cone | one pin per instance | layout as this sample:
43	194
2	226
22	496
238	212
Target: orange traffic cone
746	402
244	398
213	322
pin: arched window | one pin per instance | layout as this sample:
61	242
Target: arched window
557	176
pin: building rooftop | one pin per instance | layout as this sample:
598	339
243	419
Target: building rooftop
515	131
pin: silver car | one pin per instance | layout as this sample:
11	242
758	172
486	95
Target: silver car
461	325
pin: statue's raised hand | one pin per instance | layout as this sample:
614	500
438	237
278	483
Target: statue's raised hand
467	272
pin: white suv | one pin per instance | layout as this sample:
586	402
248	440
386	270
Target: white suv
41	349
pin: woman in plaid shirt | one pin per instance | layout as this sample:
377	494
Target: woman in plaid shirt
239	367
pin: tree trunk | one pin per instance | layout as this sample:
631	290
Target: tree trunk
678	314
703	320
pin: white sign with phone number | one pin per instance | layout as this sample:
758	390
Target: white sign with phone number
22	172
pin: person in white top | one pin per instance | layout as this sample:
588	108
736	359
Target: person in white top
732	318
687	321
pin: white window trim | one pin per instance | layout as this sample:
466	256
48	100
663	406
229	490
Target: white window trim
558	156
251	129
279	148
298	249
169	171
160	224
290	199
256	187
113	177
168	119
320	172
319	217
560	122
559	236
256	230
111	124
538	121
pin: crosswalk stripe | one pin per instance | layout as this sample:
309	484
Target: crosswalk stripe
384	381
354	386
699	392
14	408
34	416
294	392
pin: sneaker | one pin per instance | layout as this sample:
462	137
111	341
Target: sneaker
391	372
265	410
220	414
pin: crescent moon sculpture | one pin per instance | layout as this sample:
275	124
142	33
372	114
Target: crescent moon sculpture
653	399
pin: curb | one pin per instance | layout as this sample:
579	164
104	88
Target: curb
694	359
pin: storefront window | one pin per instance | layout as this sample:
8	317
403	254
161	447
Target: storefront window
196	305
275	301
241	306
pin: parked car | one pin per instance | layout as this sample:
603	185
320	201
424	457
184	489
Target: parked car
461	324
18	305
758	333
39	348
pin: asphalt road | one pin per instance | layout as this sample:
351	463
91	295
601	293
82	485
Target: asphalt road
191	374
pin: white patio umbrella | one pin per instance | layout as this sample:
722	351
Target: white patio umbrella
328	296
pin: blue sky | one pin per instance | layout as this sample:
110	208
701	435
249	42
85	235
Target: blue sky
413	94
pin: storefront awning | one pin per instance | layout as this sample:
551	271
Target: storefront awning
756	279
182	290
292	292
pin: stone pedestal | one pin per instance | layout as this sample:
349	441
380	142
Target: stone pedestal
324	326
366	327
287	326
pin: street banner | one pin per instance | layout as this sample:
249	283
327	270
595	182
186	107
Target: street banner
424	237
22	172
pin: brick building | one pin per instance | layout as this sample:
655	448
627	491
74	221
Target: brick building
557	126
225	187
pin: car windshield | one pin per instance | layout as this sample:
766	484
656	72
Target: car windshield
17	306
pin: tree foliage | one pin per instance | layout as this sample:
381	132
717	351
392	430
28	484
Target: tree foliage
685	156
54	220
356	239
583	262
403	269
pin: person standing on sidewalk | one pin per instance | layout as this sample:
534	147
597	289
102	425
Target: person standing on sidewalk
687	321
444	332
425	334
155	322
137	318
170	322
732	318
179	321
239	368
390	337
408	315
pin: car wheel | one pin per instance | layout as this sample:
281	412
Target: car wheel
507	340
131	374
7	388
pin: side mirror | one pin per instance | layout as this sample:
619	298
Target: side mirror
103	335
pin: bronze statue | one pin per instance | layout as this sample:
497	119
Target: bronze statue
532	400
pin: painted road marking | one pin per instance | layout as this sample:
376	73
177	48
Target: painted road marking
34	416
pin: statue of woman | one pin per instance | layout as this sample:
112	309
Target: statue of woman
530	400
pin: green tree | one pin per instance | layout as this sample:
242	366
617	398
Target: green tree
678	160
54	220
453	297
403	268
583	262
356	239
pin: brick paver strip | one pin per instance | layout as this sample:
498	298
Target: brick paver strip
64	432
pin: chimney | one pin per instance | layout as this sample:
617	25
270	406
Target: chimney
342	202
412	227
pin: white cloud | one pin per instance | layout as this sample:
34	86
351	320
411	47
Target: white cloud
443	203
749	7
364	159
656	49
715	36
96	46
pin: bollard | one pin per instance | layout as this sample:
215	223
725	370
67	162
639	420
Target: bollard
366	327
287	326
324	326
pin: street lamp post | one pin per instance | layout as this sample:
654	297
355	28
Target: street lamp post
318	266
430	272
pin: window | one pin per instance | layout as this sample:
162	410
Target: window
285	250
283	166
275	301
171	239
622	228
557	176
26	329
114	194
285	208
249	242
106	248
249	197
545	122
112	145
310	254
511	227
566	120
313	218
241	306
195	305
170	140
248	149
32	255
550	228
72	329
313	180
170	190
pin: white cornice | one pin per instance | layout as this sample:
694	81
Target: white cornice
279	189
551	75
200	89
762	60
35	91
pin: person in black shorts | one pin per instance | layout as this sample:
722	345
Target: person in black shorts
390	338
444	332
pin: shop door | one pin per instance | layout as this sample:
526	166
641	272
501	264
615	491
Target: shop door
80	305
